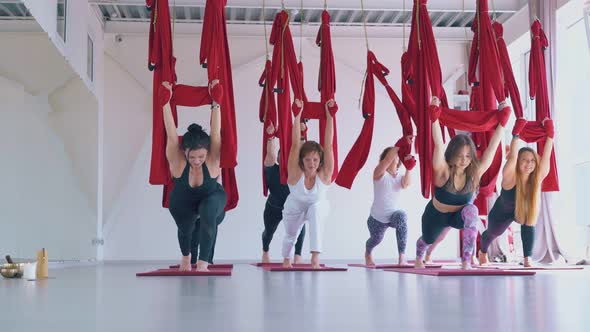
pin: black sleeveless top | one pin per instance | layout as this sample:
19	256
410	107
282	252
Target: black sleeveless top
183	191
448	195
507	199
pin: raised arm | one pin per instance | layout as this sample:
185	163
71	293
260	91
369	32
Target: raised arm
509	170
407	179
215	148
545	164
384	164
488	155
439	164
328	168
270	157
293	164
174	154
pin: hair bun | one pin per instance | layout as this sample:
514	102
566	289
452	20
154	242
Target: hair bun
195	128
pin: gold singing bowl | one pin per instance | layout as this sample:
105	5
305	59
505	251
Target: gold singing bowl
11	270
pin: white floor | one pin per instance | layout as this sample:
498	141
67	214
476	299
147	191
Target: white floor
110	297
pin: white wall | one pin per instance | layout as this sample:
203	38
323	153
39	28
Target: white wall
49	133
41	202
138	228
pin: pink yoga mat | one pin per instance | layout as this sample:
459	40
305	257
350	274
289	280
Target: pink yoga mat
177	273
460	272
280	265
211	266
302	268
395	266
438	261
532	268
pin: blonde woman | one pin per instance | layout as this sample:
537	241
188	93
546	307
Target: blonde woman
521	187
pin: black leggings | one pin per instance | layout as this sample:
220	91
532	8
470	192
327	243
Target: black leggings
272	217
197	228
498	224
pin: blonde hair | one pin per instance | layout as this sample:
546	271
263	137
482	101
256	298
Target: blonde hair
527	193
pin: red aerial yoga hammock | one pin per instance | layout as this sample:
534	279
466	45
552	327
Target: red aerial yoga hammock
538	90
287	74
215	56
358	154
533	131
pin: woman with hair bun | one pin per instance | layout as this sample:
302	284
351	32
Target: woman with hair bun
197	201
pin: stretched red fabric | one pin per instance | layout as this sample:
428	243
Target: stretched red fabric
267	113
327	83
538	91
215	53
161	61
427	78
511	87
358	154
280	76
402	113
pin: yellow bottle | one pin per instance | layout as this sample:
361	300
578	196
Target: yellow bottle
42	271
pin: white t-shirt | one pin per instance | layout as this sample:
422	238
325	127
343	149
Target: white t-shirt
385	196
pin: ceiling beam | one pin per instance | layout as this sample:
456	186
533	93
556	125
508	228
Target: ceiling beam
500	5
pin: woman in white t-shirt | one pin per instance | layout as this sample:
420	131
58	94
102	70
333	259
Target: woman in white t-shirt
385	213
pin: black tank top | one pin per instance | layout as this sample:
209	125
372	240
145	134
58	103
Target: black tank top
448	195
182	189
507	199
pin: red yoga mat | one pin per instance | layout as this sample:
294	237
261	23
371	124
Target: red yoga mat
211	266
460	272
532	268
395	266
281	265
303	268
177	273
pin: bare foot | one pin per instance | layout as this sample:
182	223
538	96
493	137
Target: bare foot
428	259
202	266
287	263
466	265
265	257
297	259
369	259
185	263
483	258
402	259
473	261
419	264
527	262
315	260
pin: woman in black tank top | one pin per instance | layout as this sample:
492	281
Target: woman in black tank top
197	200
456	175
521	185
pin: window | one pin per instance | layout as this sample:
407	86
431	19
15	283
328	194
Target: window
62	6
90	59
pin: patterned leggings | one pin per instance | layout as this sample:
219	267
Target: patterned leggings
398	220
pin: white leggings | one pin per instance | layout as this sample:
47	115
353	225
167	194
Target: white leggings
294	216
